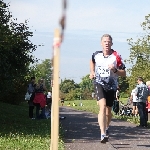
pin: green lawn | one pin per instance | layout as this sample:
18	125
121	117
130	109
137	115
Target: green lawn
91	106
18	132
88	105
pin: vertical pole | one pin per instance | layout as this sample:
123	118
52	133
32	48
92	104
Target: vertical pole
52	120
55	93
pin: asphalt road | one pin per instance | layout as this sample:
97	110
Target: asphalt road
81	132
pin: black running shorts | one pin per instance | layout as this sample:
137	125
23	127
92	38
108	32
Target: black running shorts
101	93
134	103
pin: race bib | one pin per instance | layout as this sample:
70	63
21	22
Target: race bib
103	71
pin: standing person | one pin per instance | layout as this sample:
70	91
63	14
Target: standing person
105	67
31	90
40	99
133	99
117	94
142	92
116	102
148	99
62	101
49	100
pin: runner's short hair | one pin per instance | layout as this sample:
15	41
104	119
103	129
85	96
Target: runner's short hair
140	79
106	35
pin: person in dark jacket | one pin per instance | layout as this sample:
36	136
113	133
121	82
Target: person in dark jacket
142	92
31	90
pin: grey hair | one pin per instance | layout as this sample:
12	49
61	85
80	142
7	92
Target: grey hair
107	35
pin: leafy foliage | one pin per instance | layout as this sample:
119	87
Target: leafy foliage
124	86
140	55
67	85
15	49
86	83
44	70
70	90
71	95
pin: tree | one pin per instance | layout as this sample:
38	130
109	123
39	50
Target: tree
67	85
15	55
44	70
123	84
140	55
71	95
87	87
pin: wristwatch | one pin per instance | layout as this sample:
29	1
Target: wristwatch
115	70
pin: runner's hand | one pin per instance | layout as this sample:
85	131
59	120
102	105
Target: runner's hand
111	67
92	75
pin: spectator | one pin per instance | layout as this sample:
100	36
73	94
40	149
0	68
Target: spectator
142	93
40	100
62	101
116	102
133	99
117	94
49	100
31	90
148	100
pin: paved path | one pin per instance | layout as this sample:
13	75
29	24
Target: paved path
82	133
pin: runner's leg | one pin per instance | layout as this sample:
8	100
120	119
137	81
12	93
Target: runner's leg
109	103
102	115
136	110
108	116
133	109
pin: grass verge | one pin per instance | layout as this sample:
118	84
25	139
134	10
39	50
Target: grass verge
91	106
18	132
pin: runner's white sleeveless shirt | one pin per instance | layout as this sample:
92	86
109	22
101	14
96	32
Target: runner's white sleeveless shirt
107	78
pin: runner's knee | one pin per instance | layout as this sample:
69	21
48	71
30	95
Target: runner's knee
109	114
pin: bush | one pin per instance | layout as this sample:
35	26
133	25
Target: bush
124	95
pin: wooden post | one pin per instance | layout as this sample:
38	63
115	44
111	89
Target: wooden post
55	93
52	120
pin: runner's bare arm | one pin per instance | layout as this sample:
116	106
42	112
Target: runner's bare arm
92	69
119	72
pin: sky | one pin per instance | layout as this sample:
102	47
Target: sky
86	22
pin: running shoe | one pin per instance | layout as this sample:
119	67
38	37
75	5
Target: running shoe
107	135
103	139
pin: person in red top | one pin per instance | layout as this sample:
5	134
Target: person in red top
40	99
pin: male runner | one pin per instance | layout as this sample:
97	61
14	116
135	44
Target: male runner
105	67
